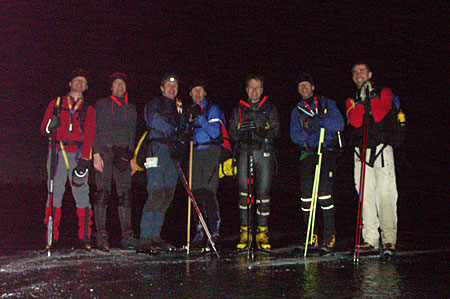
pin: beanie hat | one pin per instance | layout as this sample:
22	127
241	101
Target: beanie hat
78	73
197	82
304	77
118	75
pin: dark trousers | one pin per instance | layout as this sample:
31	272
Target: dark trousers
110	172
205	180
325	199
161	182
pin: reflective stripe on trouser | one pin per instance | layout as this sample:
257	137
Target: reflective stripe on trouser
80	194
328	211
263	211
380	197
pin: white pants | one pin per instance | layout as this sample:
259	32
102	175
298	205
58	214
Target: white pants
380	197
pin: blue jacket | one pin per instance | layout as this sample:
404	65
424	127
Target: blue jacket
161	116
208	127
332	122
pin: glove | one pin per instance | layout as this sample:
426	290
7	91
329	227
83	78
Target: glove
122	157
194	112
366	92
313	123
248	126
53	124
182	138
367	88
80	173
176	155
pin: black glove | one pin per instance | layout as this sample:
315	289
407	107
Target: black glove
194	112
313	123
182	138
53	124
249	125
176	155
122	157
79	173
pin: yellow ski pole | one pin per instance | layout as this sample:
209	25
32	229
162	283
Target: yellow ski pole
191	147
315	193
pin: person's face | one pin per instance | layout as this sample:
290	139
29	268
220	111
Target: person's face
119	88
305	89
78	85
198	94
170	89
361	74
254	90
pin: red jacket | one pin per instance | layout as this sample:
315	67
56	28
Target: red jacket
380	106
63	133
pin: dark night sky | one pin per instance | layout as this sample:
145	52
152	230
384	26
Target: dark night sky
407	45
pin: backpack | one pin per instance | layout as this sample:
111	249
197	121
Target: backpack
223	139
395	131
227	161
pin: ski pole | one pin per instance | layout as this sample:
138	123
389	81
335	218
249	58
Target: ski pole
191	147
191	196
304	111
51	184
250	176
197	209
363	156
315	193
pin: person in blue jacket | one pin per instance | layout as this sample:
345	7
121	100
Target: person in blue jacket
311	114
163	119
206	120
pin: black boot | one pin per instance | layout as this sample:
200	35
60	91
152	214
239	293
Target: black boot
102	241
124	211
100	207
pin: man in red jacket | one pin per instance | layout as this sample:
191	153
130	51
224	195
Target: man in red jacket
73	126
379	209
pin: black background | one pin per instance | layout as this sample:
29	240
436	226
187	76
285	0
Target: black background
405	43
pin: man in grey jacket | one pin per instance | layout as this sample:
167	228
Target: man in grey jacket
113	151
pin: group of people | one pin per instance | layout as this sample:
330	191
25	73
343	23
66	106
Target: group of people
107	133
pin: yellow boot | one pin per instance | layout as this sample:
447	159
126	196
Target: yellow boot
262	238
246	239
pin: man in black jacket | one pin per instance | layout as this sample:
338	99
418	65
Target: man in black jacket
113	151
254	125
